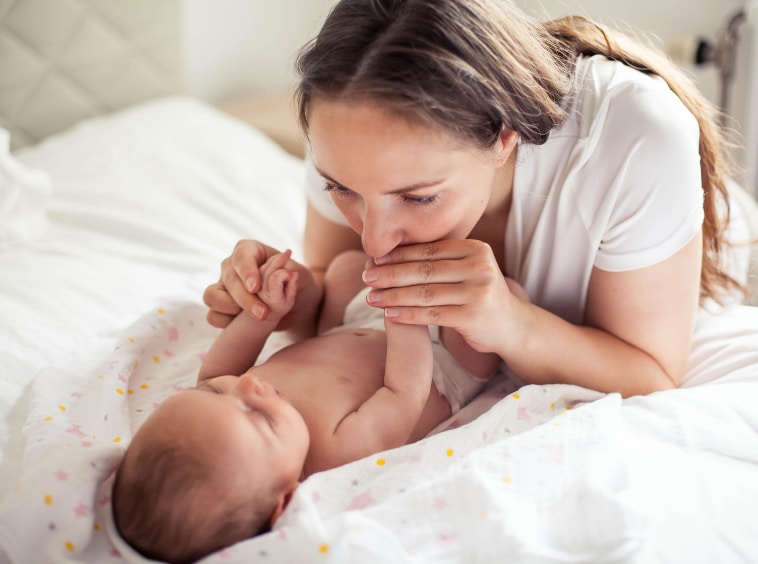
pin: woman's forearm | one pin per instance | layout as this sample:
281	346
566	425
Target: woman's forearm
551	350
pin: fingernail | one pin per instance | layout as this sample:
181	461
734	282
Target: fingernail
374	297
250	284
391	312
371	275
382	260
259	311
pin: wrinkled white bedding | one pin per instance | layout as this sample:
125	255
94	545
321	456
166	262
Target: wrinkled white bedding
102	319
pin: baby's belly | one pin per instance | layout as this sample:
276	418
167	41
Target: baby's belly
344	367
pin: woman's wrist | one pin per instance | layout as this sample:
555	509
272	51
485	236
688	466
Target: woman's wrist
516	342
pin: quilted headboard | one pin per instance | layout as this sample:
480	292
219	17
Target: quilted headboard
65	60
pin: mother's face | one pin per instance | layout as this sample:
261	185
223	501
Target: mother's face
398	182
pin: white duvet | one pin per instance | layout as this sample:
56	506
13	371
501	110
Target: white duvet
102	319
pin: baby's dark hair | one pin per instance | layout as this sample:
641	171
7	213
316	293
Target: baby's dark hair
169	504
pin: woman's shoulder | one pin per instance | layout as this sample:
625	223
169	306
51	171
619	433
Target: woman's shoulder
607	89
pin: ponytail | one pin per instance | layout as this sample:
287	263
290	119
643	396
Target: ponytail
588	38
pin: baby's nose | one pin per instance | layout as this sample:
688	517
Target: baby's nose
248	383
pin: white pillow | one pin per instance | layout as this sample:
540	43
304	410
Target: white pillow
23	195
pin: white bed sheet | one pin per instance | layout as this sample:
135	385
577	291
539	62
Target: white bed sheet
102	319
144	206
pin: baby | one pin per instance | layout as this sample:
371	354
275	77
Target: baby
217	464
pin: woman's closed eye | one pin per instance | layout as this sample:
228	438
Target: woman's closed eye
342	192
419	200
336	189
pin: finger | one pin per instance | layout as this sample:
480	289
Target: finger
275	285
423	295
218	320
291	288
436	250
275	262
244	300
218	299
445	316
417	273
244	263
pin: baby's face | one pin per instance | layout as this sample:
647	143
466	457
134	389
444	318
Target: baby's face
245	424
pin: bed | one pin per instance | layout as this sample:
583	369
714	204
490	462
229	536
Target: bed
120	223
111	227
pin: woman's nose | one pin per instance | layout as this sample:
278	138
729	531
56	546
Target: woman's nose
379	235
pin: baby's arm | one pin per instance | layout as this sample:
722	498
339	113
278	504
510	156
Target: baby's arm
481	365
237	347
387	419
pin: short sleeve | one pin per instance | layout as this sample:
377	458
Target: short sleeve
654	198
318	197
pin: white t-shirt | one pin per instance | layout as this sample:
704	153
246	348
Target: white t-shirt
617	187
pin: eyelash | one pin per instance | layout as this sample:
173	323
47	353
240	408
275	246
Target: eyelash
345	193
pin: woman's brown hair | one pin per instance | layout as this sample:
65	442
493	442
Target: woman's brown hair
475	67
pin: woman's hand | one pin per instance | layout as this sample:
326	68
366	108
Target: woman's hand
452	283
241	279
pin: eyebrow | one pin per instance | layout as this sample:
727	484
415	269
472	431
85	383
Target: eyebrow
403	190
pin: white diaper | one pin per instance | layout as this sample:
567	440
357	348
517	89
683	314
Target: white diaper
360	315
453	381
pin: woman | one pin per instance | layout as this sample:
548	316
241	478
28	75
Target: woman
460	141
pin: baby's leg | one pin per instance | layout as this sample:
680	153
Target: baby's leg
342	282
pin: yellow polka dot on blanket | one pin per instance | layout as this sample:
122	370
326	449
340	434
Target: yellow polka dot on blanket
380	462
516	396
323	549
156	359
507	479
62	407
48	499
70	546
117	439
131	340
449	452
120	391
161	311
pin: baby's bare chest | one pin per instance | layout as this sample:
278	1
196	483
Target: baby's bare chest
331	376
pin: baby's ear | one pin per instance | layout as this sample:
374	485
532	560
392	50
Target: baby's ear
281	505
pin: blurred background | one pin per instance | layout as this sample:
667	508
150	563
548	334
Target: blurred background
92	56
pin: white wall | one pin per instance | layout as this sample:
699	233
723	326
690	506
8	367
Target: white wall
236	48
663	21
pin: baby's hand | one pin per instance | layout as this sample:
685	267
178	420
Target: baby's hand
278	285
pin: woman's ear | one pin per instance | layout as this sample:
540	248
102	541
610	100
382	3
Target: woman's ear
281	505
505	145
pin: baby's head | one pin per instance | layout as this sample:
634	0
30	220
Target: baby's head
210	467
